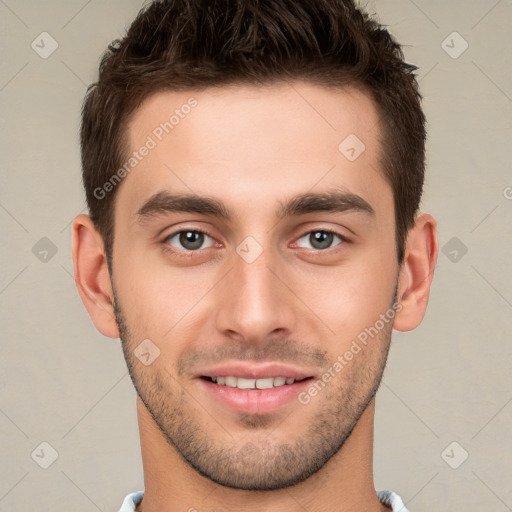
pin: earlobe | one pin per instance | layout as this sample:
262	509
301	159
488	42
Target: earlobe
91	275
416	273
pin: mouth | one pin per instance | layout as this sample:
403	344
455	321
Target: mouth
254	389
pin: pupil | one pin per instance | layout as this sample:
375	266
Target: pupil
322	239
191	239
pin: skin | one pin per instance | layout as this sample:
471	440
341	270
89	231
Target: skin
254	148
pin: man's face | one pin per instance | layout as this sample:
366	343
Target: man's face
266	293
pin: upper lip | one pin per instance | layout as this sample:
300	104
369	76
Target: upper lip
258	370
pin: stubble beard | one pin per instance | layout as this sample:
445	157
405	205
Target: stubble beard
263	463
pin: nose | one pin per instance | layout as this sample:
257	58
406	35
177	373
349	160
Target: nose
256	301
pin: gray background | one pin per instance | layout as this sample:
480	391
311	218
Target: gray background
447	382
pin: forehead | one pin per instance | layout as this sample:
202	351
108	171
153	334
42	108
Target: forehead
247	144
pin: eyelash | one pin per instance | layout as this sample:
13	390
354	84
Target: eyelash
186	253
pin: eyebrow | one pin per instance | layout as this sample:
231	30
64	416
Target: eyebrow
333	201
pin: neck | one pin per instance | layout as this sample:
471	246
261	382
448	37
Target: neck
344	484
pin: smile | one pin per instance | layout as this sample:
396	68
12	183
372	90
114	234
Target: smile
261	388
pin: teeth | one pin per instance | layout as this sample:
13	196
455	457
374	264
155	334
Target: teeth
245	383
241	383
230	381
265	383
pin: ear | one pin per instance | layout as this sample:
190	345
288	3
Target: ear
416	273
91	275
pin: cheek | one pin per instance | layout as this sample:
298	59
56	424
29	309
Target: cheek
162	303
349	298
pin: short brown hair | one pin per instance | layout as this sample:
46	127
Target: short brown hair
177	45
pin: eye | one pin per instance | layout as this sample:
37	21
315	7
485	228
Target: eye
321	239
189	239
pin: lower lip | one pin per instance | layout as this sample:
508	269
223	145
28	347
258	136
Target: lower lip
255	401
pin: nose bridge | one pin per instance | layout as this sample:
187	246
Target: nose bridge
255	299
